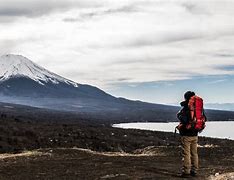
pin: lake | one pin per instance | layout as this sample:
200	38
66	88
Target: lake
222	129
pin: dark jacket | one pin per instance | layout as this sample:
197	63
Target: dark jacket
185	117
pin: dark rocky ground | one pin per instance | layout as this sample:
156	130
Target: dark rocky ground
86	149
77	164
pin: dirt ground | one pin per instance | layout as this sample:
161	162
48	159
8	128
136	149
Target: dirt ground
75	163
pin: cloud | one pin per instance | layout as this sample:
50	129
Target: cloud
195	8
130	8
7	46
112	42
122	9
13	9
157	39
224	55
227	67
217	81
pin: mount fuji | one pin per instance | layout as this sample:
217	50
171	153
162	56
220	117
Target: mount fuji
26	83
20	66
20	77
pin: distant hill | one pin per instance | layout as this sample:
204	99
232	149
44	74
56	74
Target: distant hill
221	106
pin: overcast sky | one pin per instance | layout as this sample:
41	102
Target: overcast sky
121	45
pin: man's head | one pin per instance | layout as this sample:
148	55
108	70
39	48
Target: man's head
188	95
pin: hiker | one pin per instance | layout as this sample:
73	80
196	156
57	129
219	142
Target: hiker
191	122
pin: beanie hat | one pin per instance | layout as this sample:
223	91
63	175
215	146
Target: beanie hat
188	95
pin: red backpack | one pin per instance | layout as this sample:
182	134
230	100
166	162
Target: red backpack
198	118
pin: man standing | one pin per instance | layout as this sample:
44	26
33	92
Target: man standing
189	137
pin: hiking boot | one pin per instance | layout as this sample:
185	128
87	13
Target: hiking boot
185	175
193	173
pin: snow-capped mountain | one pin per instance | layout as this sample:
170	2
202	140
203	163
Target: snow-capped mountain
19	66
26	83
20	78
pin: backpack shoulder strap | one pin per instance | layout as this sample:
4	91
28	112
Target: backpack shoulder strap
204	114
192	107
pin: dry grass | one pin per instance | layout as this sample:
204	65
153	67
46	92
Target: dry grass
23	154
208	146
226	176
138	154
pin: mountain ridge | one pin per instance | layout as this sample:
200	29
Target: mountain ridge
221	106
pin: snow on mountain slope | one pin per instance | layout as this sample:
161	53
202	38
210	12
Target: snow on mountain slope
19	66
